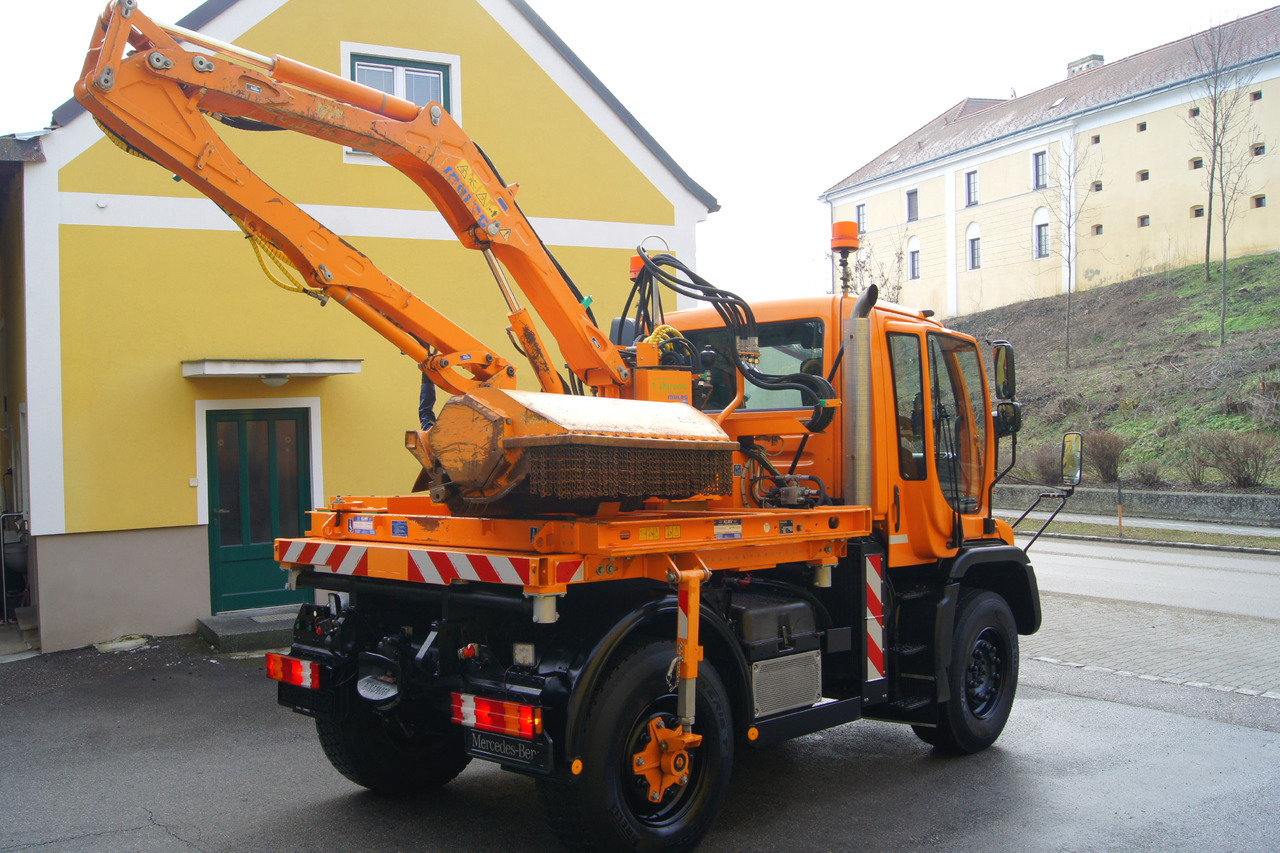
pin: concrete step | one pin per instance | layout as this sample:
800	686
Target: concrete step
28	618
249	630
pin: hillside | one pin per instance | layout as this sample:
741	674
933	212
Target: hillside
1146	365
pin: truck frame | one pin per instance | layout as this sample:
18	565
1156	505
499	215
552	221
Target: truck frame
728	526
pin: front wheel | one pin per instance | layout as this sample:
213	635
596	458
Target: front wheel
983	676
611	806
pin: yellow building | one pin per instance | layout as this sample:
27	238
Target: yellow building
168	411
970	211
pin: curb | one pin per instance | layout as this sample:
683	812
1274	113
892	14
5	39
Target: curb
1158	543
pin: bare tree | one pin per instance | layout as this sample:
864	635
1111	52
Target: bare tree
1223	129
1078	178
869	268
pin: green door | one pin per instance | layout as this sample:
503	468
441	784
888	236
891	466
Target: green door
259	489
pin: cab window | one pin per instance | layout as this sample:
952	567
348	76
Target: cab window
794	346
908	394
959	428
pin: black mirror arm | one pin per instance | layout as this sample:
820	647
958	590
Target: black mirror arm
1061	496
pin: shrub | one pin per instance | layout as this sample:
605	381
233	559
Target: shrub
1194	465
1103	451
1147	473
1246	459
1044	463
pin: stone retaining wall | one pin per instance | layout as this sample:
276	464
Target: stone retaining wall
1262	510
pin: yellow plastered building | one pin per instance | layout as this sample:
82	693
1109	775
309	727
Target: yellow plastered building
1096	179
168	411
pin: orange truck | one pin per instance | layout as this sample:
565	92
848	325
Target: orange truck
725	527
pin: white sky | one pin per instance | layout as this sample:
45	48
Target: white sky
763	104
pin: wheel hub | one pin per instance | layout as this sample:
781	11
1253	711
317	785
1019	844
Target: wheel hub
663	763
984	676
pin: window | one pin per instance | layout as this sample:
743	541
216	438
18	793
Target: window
1097	230
913	258
908	392
1259	150
1144	175
1095	139
860	214
1144	221
1040	170
417	76
1196	163
1255	96
419	82
1142	127
913	206
1193	112
1097	186
973	246
971	188
1040	234
958	408
794	346
1197	211
1259	201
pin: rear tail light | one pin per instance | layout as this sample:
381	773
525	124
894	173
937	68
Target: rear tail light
299	673
494	715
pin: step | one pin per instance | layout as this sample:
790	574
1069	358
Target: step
249	630
28	618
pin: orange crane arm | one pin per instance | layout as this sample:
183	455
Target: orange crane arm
157	99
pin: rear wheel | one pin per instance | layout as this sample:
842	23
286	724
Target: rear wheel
390	756
612	807
983	676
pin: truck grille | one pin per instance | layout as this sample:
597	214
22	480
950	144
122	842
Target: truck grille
784	683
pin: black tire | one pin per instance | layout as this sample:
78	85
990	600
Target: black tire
389	758
983	676
606	808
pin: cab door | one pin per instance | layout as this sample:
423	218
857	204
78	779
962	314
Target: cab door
936	454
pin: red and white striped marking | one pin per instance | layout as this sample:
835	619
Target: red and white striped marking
332	556
875	617
419	565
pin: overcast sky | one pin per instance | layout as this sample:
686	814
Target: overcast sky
764	104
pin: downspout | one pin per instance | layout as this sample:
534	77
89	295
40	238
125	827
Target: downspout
857	394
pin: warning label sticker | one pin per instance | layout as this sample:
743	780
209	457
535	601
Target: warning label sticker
360	524
400	528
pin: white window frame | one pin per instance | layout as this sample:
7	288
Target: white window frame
972	236
1039	170
971	199
913	194
451	60
913	259
860	217
1040	219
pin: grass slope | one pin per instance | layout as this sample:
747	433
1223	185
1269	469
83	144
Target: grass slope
1145	360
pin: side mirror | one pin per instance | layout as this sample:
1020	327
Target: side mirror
1072	458
1008	418
1006	379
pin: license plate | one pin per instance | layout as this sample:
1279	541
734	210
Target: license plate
534	754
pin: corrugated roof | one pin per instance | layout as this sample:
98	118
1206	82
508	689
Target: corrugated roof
211	9
974	121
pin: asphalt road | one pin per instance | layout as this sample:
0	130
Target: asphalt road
1216	581
169	749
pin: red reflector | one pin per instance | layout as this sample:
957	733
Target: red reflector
299	673
494	715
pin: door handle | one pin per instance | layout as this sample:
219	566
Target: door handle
222	512
897	511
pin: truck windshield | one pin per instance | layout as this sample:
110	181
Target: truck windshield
791	347
959	428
